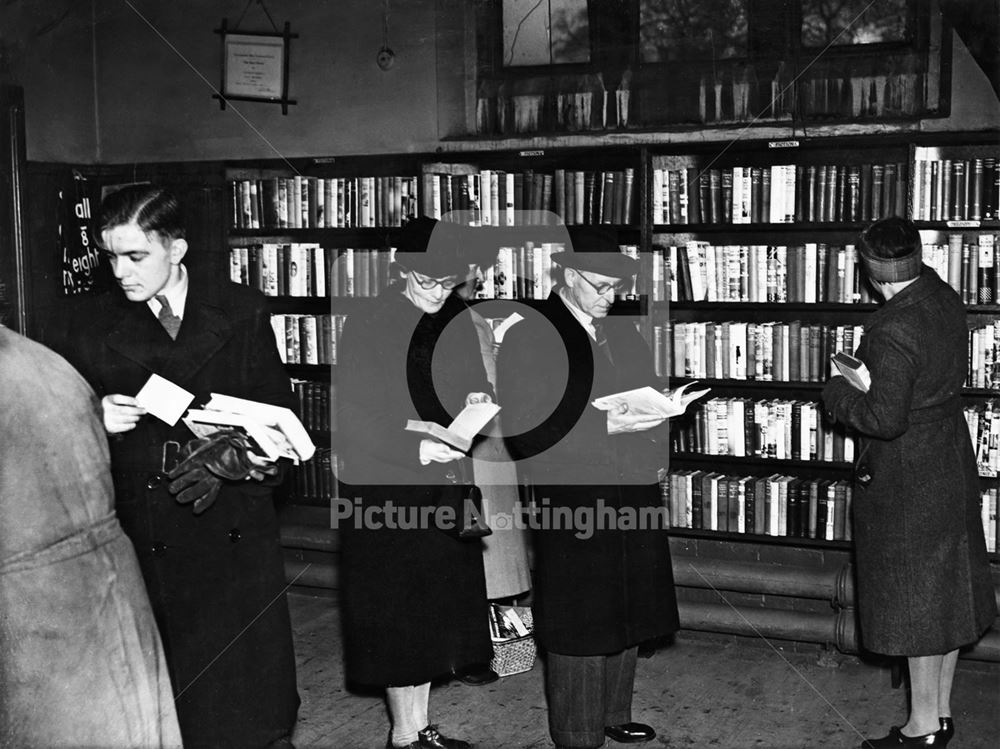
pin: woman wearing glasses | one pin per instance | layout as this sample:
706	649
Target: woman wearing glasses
414	596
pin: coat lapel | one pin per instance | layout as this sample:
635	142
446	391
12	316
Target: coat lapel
139	336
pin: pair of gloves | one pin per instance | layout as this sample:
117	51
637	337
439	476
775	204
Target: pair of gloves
206	462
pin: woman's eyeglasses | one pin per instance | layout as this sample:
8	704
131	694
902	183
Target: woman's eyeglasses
427	283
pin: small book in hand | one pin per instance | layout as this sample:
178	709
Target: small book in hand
460	433
853	369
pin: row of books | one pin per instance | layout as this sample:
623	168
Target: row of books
790	351
304	202
984	356
485	197
955	189
984	430
813	272
526	272
970	263
988	508
779	193
316	404
301	269
775	505
307	339
314	481
761	428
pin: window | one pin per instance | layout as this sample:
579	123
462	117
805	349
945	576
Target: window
586	65
846	22
689	30
545	32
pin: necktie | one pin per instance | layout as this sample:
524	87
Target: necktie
601	339
170	322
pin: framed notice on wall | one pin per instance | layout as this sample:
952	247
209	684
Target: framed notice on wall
255	66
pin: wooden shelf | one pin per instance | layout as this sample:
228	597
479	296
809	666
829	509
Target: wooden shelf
797	541
766	465
311	371
368	238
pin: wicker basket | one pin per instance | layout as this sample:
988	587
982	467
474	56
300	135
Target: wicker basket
516	655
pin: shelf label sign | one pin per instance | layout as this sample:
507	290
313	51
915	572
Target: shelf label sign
972	224
538	152
80	258
782	144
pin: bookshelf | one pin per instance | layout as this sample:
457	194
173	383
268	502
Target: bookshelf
755	283
782	273
314	235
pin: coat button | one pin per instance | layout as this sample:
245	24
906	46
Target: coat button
234	535
159	549
155	480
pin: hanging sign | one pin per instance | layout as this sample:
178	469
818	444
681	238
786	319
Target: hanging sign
80	258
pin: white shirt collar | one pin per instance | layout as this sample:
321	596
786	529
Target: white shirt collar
582	317
177	296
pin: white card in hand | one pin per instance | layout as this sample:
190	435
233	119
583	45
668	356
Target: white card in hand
163	399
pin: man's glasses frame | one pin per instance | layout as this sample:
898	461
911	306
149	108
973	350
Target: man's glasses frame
621	288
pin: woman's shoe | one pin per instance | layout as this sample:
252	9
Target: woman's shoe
947	727
430	738
896	738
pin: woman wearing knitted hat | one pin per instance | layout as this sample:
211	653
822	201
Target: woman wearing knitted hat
924	585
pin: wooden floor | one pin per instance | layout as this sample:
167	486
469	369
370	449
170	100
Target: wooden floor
701	691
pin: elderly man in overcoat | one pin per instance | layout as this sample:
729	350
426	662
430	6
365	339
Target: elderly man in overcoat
603	583
215	578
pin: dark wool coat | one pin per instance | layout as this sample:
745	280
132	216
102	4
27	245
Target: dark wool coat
413	598
601	593
80	656
924	584
215	580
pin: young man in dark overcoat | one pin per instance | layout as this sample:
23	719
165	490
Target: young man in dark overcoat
603	582
216	578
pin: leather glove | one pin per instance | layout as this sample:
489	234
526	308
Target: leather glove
198	477
198	486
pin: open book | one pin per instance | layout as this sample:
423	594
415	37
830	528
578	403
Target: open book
853	369
460	433
275	431
650	401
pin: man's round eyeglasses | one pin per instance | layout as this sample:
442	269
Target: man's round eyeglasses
620	287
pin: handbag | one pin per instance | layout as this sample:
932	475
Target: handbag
464	499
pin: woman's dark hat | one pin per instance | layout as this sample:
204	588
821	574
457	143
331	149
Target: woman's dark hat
429	247
891	236
891	270
595	249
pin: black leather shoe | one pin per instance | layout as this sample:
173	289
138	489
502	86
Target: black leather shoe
630	733
430	738
947	727
478	677
896	738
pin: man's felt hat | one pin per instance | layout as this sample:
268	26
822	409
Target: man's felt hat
595	249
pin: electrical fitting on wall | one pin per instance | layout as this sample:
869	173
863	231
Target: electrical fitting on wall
385	58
